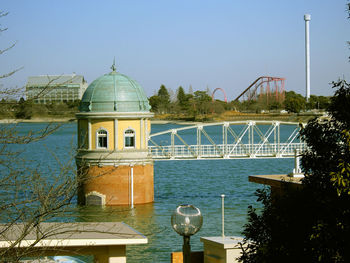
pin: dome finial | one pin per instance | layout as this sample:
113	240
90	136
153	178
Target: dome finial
113	68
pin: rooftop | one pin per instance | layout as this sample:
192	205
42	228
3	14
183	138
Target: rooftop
114	92
54	80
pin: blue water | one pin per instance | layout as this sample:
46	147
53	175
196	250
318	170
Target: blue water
198	182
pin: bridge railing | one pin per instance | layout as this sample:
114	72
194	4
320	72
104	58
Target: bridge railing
236	139
224	151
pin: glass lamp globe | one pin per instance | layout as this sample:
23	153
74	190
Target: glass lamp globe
187	220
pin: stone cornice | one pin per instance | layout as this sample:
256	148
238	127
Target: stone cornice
95	157
117	115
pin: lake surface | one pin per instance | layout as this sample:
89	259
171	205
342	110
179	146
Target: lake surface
197	182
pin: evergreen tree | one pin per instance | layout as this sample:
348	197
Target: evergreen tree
23	109
202	101
181	97
154	102
164	99
163	95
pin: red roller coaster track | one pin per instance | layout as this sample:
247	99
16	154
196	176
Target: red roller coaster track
269	86
212	95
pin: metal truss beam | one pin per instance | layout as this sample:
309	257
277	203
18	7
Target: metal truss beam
247	139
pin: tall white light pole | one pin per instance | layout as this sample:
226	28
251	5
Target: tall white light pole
307	18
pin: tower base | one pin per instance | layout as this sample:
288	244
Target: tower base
121	185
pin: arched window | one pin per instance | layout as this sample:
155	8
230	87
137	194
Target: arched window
102	139
95	198
129	138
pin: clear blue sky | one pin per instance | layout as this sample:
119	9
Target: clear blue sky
226	44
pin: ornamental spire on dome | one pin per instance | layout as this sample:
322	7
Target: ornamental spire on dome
113	68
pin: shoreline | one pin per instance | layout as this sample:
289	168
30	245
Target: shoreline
38	120
281	117
66	120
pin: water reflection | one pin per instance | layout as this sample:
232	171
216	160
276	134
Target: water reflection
142	218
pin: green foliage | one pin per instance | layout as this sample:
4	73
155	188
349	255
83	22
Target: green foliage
6	108
274	105
202	102
27	109
342	98
201	96
251	106
164	99
183	101
276	232
181	97
154	102
73	104
198	105
294	102
219	106
341	178
163	95
23	109
318	102
311	224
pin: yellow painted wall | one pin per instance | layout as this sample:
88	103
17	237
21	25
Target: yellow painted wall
125	124
107	124
83	134
149	126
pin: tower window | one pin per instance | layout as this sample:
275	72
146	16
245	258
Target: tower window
129	138
102	139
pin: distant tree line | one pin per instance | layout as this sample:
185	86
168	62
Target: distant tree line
200	102
195	105
189	104
26	109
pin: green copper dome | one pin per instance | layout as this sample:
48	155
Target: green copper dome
114	92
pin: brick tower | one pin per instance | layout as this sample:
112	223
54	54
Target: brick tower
114	167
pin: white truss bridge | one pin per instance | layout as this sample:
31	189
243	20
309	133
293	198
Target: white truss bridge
228	140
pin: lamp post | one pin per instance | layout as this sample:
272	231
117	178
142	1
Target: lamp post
186	221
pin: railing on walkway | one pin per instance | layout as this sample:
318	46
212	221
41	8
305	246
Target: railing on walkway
282	150
249	139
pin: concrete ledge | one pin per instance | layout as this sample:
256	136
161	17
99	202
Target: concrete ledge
71	234
223	242
279	183
105	241
221	249
276	180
